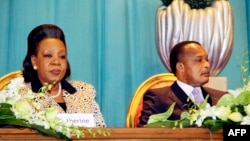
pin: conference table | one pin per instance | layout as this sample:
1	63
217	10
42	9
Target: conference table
121	134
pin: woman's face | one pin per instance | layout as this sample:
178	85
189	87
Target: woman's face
51	60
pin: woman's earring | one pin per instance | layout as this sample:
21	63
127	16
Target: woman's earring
35	67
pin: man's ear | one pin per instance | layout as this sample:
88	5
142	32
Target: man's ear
180	67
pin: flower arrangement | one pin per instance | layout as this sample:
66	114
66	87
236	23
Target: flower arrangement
193	3
232	108
18	110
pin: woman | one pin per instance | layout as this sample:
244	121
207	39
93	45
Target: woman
46	63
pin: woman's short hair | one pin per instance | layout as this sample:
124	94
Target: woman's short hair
175	53
34	38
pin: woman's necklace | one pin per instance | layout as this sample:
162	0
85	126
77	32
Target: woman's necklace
59	91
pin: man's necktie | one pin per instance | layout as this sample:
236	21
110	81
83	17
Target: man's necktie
197	96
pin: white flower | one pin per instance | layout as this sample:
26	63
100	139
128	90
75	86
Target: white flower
22	109
16	84
236	92
51	113
198	122
247	109
245	120
235	116
223	112
205	113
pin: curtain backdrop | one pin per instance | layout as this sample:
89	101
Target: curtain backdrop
111	44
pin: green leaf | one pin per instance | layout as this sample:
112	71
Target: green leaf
192	3
21	123
14	122
49	132
185	123
196	4
166	2
213	125
167	123
243	98
185	115
5	107
226	100
6	116
162	116
204	103
171	123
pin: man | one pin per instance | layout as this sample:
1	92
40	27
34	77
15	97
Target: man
189	63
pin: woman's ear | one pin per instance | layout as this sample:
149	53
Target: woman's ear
33	61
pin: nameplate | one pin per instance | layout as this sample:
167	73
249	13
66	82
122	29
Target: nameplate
82	120
236	132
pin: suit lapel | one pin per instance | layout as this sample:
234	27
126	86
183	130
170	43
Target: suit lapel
181	95
205	93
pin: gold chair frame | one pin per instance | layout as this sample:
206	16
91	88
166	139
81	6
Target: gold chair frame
4	80
156	81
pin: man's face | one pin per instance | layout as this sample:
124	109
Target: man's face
196	68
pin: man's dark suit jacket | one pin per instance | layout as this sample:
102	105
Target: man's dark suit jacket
157	101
